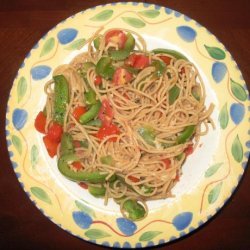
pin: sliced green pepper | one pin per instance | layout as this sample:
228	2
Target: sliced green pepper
130	42
131	69
186	134
119	55
66	144
90	97
173	94
87	65
146	190
91	113
104	68
160	67
134	209
95	123
148	134
97	191
196	92
84	143
108	160
97	42
171	52
61	93
179	157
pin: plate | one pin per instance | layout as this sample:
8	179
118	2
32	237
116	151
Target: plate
205	185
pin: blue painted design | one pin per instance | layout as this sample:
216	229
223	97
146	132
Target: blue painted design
237	112
93	241
182	234
67	35
192	229
18	175
177	14
135	3
8	143
247	154
7	122
172	238
157	7
150	244
117	244
14	164
7	132
219	70
28	55
161	241
82	219
105	243
35	46
113	4
248	143
126	245
126	226
40	72
199	25
187	33
22	65
187	18
182	220
11	154
19	118
146	4
22	185
244	164
168	11
200	223
138	245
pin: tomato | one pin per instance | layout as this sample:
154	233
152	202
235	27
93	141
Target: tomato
189	150
77	144
166	59
133	178
116	37
98	80
167	163
50	145
77	165
138	61
122	76
83	185
55	132
107	130
177	177
106	113
40	122
78	111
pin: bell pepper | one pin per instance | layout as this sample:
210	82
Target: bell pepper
173	53
90	97
134	209
148	134
104	68
91	113
173	94
130	42
186	134
97	191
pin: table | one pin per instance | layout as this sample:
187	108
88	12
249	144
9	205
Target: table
22	23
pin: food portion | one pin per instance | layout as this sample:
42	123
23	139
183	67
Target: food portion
122	120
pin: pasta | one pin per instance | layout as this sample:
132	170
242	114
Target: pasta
122	120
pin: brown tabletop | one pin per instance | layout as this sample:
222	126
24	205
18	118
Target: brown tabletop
22	23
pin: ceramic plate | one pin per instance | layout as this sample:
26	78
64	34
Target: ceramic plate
210	174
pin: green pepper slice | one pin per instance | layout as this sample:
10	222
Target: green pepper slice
97	42
130	42
108	160
66	144
186	134
148	134
95	123
173	94
97	191
119	55
87	65
134	209
91	113
61	93
171	52
90	97
104	68
160	67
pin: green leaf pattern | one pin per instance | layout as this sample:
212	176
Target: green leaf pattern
147	236
224	117
150	13
21	88
214	193
34	154
237	150
213	169
238	91
134	22
48	46
94	234
40	194
17	143
76	45
102	16
85	208
215	52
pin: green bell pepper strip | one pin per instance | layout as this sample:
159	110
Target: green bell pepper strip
97	191
104	68
66	146
196	93
160	67
90	97
108	160
179	157
91	113
131	69
147	190
93	177
148	134
119	55
87	65
61	93
186	134
95	123
135	210
97	42
84	143
171	52
173	94
130	42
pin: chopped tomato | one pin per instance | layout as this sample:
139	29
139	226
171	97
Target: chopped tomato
106	113
77	165
78	111
40	122
116	37
189	150
137	61
177	177
55	132
83	185
121	76
167	163
77	144
107	130
50	145
166	59
133	178
98	80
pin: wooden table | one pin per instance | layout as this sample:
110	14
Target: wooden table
22	23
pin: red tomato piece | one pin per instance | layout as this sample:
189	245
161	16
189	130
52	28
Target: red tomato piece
166	59
40	122
78	111
121	76
98	80
83	185
116	37
189	150
167	163
106	113
50	145
55	132
177	177
107	130
77	144
137	61
133	178
77	165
